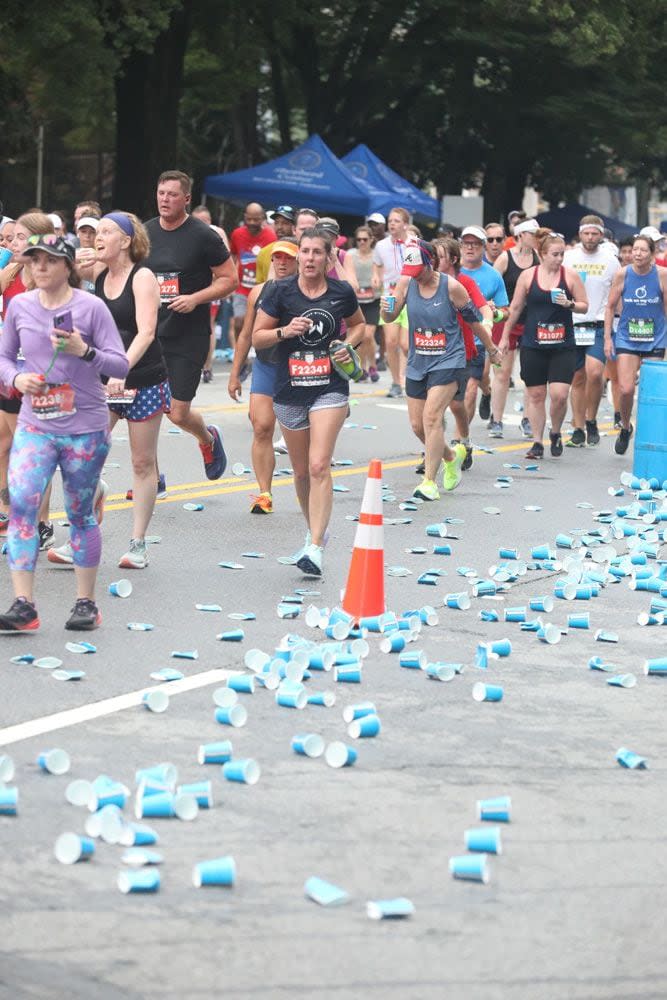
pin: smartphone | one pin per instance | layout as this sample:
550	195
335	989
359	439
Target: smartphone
63	321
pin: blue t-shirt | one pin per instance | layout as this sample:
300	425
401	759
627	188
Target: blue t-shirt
436	339
491	285
641	326
304	369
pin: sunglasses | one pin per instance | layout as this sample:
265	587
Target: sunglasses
495	239
362	239
50	240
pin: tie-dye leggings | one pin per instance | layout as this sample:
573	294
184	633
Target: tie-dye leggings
33	459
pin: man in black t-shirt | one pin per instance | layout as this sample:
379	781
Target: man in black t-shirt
193	267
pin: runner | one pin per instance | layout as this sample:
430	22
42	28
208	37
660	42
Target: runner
436	367
387	264
510	265
303	315
69	339
245	243
358	267
596	266
283	225
495	239
550	293
260	412
641	290
193	268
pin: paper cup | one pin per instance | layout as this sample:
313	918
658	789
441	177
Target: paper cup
137	835
291	695
347	675
389	909
245	772
6	768
472	867
338	754
232	715
352	712
364	728
497	810
54	761
165	773
622	680
70	848
487	692
440	672
656	666
215	753
9	800
308	745
218	871
79	792
549	634
631	760
579	621
542	604
242	683
323	699
485	839
155	701
413	659
143	880
120	588
460	601
225	697
202	792
393	643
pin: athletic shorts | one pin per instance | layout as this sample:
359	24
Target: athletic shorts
594	350
498	329
417	388
239	305
295	417
656	354
184	359
401	319
540	366
147	402
371	312
12	405
475	367
263	378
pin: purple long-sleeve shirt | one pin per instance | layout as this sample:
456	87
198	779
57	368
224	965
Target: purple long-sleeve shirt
28	326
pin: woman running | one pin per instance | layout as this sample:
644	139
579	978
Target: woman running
358	267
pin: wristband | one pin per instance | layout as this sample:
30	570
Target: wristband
89	355
279	333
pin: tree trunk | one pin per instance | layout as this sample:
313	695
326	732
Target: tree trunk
148	89
502	191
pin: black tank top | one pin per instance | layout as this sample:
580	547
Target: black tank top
548	325
512	274
149	369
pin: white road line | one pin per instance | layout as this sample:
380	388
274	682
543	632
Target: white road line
392	406
97	709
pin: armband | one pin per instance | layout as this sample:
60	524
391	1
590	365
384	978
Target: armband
470	313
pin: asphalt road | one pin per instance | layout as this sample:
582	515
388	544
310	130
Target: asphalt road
574	903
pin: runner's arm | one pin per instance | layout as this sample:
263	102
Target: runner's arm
265	331
400	294
243	345
579	298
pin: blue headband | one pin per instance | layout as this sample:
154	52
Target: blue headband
122	221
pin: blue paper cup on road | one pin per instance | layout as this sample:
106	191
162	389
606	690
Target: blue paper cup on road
389	909
338	754
347	675
541	552
323	699
155	701
565	590
657	666
160	806
603	635
364	728
489	615
107	823
414	659
70	848
501	647
233	635
515	614
141	880
54	761
217	871
79	792
165	773
292	695
233	715
224	697
243	772
496	810
487	692
324	893
6	768
215	753
393	643
308	745
508	553
549	634
485	588
482	655
440	671
622	680
544	603
137	835
442	550
338	630
358	711
484	838
9	800
202	792
579	620
460	601
242	683
631	760
120	588
472	867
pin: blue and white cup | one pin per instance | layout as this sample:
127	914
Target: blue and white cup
9	800
338	630
323	699
140	880
442	550
243	772
233	715
389	909
472	867
233	635
393	643
160	806
201	790
414	659
347	675
622	680
79	792
489	615
550	634
321	659
120	588
338	754
579	620
440	671
215	753
656	666
224	697
70	848
107	823
323	892
515	614
496	810
631	760
358	711
242	683
364	728
485	839
541	552
482	655
217	871
54	761
308	744
137	835
564	541
565	590
544	603
436	530
6	768
485	588
156	700
460	601
603	635
508	553
501	647
291	695
487	692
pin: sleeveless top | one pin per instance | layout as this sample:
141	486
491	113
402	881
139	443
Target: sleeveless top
512	274
149	369
436	340
363	268
548	326
642	324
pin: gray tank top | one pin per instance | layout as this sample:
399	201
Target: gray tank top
436	339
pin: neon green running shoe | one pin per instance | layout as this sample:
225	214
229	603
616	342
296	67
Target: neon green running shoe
453	474
427	490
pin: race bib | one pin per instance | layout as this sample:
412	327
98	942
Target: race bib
640	330
584	336
550	333
248	269
309	368
170	286
365	295
124	398
430	341
56	401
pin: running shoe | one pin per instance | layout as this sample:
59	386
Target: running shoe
578	439
381	365
161	487
136	556
4	523
47	535
623	440
395	391
617	420
427	490
421	468
85	616
485	406
98	502
215	460
526	429
262	504
496	429
467	461
373	374
453	475
21	617
556	443
206	375
279	447
310	562
536	450
61	556
592	433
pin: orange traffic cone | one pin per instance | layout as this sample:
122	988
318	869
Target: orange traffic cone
364	593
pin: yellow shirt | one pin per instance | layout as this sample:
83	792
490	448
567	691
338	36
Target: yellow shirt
263	263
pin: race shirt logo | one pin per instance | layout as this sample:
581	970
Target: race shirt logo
170	286
430	341
309	368
56	401
550	333
323	327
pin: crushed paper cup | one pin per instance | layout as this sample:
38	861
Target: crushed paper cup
47	663
80	647
622	680
324	893
167	674
602	635
631	760
140	627
389	909
184	654
193	506
208	607
139	857
440	671
68	675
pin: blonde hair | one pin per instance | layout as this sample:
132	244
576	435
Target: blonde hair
140	245
37	224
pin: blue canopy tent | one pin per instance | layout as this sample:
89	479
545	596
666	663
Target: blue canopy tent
310	175
365	165
566	220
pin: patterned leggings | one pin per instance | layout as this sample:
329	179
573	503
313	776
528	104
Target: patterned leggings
33	459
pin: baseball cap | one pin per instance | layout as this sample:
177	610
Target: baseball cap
285	246
529	226
653	233
57	246
87	220
376	217
418	255
475	231
516	211
286	212
329	225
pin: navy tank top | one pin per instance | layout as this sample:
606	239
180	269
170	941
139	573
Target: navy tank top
436	340
548	326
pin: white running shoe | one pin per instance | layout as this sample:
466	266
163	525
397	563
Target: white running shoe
61	556
310	562
279	446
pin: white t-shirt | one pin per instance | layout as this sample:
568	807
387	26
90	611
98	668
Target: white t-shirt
390	256
596	270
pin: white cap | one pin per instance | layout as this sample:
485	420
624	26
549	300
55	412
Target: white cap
87	220
475	231
529	226
653	233
55	220
376	217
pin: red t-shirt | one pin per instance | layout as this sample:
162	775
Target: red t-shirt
477	299
245	246
15	287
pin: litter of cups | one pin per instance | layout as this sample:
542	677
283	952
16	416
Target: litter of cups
216	872
70	848
54	761
120	588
